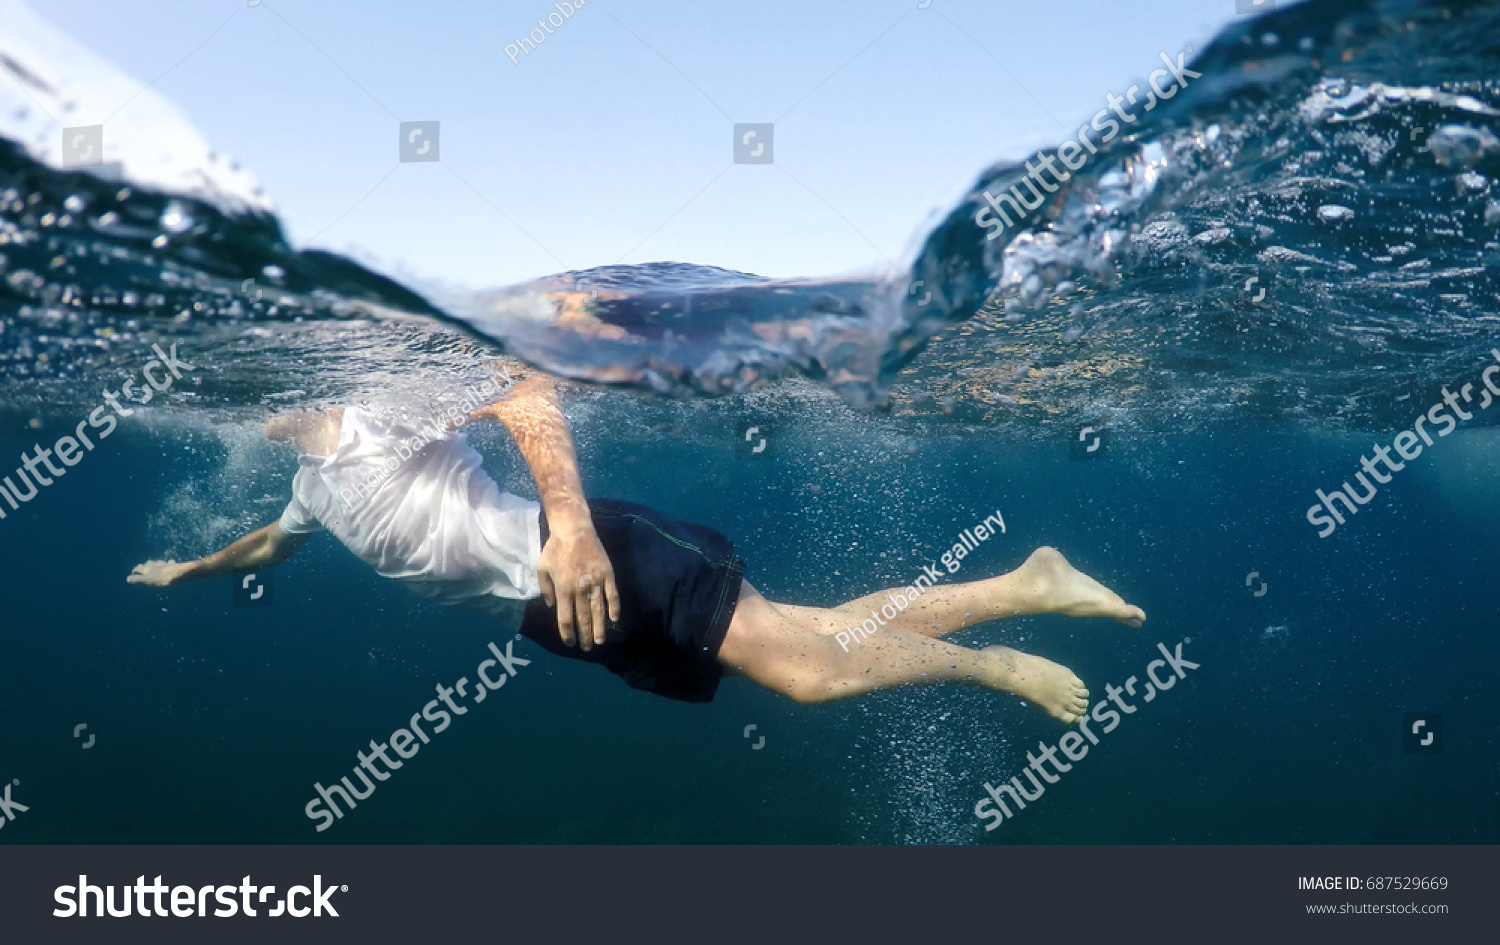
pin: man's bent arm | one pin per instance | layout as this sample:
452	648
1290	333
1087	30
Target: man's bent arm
573	569
260	549
531	414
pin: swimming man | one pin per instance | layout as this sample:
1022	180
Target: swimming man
662	604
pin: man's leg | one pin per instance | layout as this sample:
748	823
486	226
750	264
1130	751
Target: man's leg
1045	584
783	650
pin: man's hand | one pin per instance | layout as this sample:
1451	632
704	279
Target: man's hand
577	579
262	548
157	573
574	572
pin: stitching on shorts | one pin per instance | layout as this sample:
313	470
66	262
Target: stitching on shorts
719	608
676	541
735	565
723	591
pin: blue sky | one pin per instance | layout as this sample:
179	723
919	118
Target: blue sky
612	142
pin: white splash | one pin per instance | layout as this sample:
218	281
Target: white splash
49	82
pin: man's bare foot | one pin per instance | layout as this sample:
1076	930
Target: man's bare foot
1060	588
1041	681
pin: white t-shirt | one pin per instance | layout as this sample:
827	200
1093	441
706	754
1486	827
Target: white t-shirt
417	507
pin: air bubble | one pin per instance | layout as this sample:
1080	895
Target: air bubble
176	218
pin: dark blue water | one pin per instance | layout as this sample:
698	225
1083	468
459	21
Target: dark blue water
213	723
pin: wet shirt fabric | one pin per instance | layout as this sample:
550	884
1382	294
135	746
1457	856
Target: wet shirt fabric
417	506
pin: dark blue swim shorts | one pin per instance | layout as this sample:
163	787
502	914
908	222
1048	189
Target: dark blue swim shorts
678	585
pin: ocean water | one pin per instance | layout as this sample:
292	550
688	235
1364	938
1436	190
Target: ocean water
1340	155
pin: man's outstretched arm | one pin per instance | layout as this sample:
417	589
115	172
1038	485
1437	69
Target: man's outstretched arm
260	549
573	569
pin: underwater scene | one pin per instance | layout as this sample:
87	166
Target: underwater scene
1151	497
